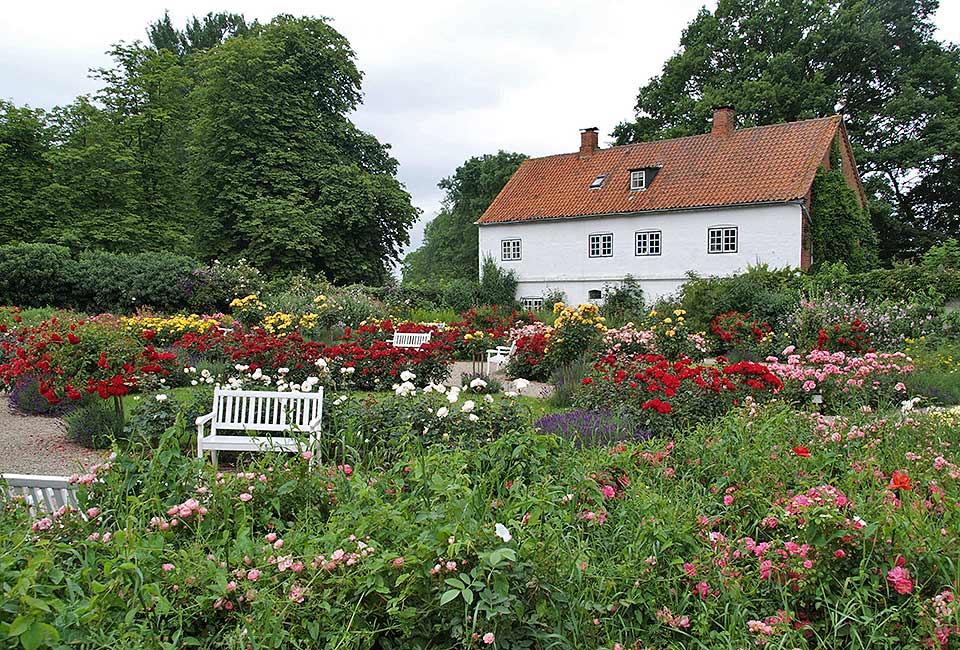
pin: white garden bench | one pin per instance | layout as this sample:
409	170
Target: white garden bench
500	355
410	339
236	412
44	494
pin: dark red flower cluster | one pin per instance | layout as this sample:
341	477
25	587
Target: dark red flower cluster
850	336
734	328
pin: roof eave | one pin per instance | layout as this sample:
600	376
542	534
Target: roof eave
697	208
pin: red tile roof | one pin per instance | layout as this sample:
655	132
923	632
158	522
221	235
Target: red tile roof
753	165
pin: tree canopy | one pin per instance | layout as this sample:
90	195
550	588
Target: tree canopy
875	62
225	140
451	241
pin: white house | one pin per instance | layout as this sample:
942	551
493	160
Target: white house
713	204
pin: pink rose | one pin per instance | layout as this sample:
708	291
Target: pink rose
488	638
728	500
167	566
253	575
246	496
307	455
899	579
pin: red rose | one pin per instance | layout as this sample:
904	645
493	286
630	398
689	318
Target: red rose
149	334
801	451
586	381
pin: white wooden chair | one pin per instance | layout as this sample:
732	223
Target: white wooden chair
264	412
409	339
500	355
44	494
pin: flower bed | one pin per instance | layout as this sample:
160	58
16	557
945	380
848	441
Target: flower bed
665	395
756	530
837	379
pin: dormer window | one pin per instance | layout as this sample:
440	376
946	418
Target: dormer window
638	180
598	182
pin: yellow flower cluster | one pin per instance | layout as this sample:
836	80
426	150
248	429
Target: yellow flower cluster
321	302
279	321
168	326
247	302
583	314
670	326
474	336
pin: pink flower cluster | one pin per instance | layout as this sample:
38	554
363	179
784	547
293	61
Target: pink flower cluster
189	510
840	370
665	616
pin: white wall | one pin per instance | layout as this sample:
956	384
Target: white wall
555	255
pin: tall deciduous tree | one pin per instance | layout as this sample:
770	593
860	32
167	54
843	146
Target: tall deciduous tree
283	178
450	248
876	62
24	142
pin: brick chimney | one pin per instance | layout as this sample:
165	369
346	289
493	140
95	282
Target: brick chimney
723	118
589	141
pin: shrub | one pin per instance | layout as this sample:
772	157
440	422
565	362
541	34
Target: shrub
37	275
497	286
837	380
461	294
767	294
95	424
123	283
214	287
531	344
152	416
624	301
735	329
665	396
576	332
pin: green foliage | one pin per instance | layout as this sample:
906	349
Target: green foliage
879	63
125	282
943	256
451	239
764	293
461	294
643	523
227	140
841	229
497	286
36	275
284	179
622	303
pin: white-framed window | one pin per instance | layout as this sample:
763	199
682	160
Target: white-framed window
722	239
601	245
648	242
510	250
598	182
638	179
531	302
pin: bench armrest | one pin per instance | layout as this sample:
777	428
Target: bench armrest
203	419
315	423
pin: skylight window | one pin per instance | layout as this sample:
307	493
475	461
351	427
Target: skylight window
598	182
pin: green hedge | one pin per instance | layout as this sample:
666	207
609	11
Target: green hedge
44	275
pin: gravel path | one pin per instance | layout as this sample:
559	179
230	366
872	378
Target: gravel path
35	444
461	368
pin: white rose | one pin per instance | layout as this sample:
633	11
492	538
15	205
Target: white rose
442	412
473	417
501	531
161	397
468	406
406	375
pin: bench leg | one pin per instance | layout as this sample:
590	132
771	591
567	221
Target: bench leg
213	458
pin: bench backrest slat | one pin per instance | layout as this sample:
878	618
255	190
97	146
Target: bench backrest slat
240	410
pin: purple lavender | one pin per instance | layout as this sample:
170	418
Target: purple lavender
588	429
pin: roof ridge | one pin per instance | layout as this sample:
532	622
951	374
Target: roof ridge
835	116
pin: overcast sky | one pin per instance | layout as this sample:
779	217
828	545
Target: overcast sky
444	80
